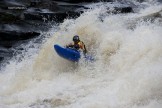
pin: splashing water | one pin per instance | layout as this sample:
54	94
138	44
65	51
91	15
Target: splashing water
127	72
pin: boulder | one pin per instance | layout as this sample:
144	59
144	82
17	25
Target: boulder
9	38
126	9
57	16
8	18
16	36
5	53
81	1
1	58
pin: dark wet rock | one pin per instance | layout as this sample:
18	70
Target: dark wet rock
1	58
160	1
57	16
7	44
54	11
12	8
26	26
86	1
5	53
122	10
65	11
8	18
51	10
9	38
140	1
15	36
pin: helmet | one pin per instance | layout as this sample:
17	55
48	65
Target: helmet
76	38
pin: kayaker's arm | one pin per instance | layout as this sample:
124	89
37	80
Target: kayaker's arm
83	47
70	45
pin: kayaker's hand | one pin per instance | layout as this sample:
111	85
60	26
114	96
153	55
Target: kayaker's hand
68	46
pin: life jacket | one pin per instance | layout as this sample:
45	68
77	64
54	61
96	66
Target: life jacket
80	45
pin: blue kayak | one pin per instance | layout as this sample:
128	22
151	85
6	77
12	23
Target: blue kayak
70	54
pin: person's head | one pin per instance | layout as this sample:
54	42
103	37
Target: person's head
76	39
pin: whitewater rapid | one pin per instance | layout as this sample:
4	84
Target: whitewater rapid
127	72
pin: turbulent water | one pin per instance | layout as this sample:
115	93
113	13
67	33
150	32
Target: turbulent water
127	72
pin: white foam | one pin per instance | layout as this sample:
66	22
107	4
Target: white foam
127	72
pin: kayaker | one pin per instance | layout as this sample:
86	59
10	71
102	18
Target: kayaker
78	45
